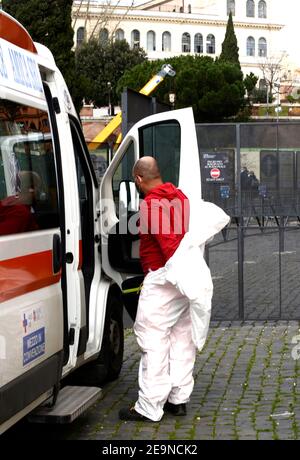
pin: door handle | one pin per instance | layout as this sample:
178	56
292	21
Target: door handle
56	253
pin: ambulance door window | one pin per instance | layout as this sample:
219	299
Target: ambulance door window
122	173
28	186
162	141
85	191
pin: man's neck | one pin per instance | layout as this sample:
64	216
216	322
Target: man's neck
153	184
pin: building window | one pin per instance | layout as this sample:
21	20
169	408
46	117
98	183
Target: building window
80	36
119	35
210	44
250	9
166	41
262	84
186	43
135	39
198	43
250	46
262	47
262	9
151	41
103	36
231	7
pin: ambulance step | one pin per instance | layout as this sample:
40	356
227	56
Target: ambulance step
70	404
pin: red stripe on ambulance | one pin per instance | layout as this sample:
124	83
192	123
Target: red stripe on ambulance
25	274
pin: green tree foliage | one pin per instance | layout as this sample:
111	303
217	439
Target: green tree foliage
230	49
49	23
214	89
250	82
103	63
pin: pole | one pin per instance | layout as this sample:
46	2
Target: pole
109	103
240	228
278	103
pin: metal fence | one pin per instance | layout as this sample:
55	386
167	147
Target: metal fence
252	170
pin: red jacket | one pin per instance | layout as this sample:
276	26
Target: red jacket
164	217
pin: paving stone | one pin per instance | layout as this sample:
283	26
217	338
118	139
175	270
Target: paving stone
243	376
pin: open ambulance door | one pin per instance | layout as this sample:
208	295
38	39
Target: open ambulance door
171	138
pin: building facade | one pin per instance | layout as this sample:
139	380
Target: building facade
167	28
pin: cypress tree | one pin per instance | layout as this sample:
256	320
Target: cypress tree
230	49
49	22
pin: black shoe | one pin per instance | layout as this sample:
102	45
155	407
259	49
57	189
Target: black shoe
175	409
132	415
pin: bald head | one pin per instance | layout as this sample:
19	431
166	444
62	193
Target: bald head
29	179
147	168
146	174
30	187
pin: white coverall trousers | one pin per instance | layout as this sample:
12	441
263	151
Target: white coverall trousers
164	333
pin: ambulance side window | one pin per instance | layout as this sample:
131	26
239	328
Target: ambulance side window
28	186
162	141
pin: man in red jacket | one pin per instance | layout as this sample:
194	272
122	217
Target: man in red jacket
163	324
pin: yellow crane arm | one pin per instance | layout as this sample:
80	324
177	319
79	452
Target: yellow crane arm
106	132
166	69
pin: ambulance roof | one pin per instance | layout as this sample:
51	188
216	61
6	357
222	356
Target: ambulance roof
13	32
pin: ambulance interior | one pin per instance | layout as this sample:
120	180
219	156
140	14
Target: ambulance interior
162	141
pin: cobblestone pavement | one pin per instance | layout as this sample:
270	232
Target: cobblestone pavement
247	386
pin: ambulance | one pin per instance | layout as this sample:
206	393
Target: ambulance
63	253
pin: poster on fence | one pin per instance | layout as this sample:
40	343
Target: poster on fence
215	167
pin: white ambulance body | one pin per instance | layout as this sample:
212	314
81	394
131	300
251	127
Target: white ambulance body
62	257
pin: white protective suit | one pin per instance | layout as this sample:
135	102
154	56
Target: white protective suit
187	269
173	317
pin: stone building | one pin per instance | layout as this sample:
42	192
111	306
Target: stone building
166	28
